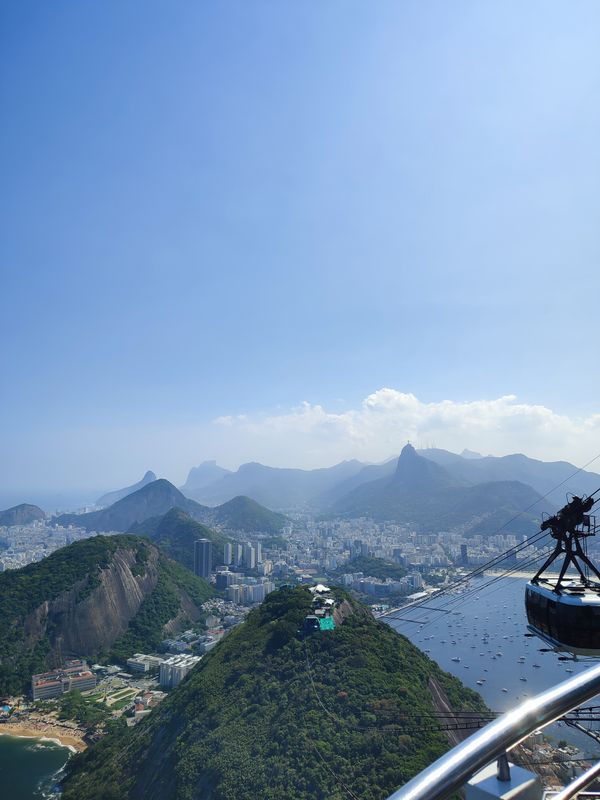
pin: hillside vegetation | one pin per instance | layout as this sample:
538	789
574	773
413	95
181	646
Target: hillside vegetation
100	596
175	534
245	514
267	715
373	567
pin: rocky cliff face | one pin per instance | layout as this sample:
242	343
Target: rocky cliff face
103	596
88	626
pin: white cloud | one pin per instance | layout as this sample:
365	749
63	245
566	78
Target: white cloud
310	436
307	436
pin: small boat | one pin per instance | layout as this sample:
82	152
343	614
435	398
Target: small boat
536	666
505	690
480	682
522	679
456	658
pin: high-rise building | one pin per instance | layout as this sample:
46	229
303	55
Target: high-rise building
227	553
203	557
234	593
258	548
238	554
174	669
249	556
225	578
464	555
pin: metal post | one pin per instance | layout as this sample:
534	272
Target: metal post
503	773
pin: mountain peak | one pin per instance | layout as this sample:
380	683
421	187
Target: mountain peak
470	454
420	473
407	452
118	494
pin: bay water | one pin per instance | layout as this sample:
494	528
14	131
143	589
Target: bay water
481	639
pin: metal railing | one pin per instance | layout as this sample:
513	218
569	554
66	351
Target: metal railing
579	784
458	765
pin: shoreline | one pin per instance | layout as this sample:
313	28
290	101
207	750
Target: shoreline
49	734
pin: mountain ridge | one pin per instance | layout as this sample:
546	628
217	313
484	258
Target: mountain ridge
319	490
152	500
426	495
155	499
23	514
110	498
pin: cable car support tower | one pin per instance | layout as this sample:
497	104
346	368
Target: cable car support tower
570	526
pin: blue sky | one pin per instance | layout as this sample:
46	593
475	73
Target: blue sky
222	209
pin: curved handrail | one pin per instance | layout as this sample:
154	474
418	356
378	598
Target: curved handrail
578	784
454	769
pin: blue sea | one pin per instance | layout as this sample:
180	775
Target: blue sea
486	631
29	768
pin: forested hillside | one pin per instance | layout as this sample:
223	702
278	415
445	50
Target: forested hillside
267	715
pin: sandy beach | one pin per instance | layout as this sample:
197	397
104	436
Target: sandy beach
41	730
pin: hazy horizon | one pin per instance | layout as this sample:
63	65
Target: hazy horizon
373	433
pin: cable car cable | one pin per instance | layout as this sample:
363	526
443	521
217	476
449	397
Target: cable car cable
475	590
482	567
517	548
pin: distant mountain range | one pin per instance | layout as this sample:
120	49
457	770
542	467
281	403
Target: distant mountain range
322	489
203	475
155	499
112	497
543	476
23	514
425	495
275	487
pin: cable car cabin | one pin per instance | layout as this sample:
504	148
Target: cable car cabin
565	611
569	621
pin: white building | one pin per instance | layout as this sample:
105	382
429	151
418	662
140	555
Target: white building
173	670
143	663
